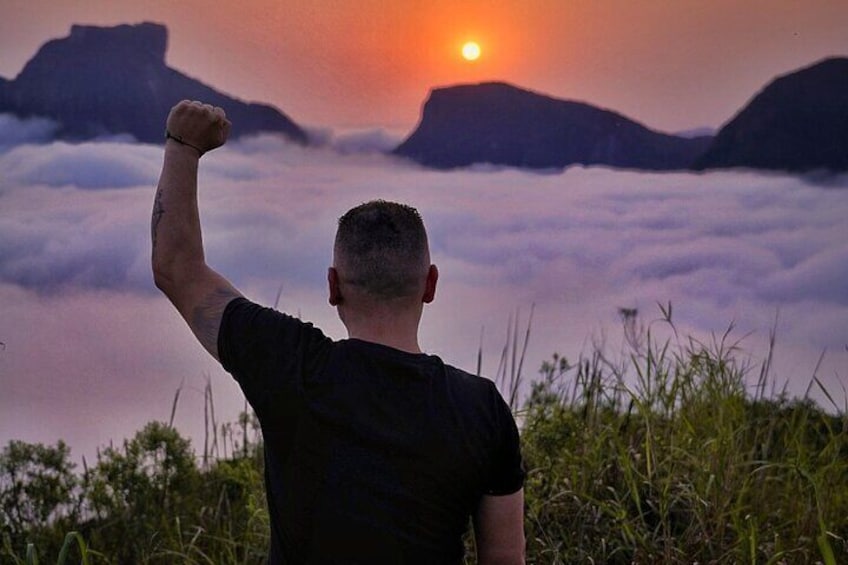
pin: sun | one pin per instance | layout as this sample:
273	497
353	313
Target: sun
471	51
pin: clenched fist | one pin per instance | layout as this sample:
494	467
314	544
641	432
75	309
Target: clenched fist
198	125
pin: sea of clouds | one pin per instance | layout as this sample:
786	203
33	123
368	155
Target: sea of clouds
91	351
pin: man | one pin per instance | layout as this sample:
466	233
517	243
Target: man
374	451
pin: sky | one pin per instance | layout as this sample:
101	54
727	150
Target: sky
672	66
91	351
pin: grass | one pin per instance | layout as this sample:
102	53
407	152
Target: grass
671	452
73	540
664	457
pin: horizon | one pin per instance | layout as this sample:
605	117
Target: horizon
673	68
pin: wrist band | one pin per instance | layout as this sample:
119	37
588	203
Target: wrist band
178	139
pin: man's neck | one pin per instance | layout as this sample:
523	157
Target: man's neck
397	328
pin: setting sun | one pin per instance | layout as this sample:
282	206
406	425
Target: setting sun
471	51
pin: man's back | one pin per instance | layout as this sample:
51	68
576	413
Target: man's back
373	454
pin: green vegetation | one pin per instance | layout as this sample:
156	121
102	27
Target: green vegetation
147	502
665	459
661	455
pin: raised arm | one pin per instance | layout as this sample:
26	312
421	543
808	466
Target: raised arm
499	529
179	265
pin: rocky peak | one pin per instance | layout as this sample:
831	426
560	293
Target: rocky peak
798	122
498	123
126	44
113	80
147	37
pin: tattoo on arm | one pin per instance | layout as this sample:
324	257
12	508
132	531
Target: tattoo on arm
206	316
158	212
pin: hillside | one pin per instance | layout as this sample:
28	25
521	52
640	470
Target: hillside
798	122
102	81
504	125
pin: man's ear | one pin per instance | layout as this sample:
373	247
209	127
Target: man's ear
430	284
335	297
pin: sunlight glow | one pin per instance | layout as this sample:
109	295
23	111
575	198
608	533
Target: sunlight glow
471	51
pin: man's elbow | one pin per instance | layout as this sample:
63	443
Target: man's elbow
162	281
163	277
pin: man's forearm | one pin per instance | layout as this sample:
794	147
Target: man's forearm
179	267
175	222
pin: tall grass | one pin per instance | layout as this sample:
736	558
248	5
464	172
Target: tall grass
73	546
663	457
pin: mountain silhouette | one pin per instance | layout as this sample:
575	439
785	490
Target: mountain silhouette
504	125
102	81
798	122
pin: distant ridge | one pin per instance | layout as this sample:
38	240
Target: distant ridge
106	81
113	80
502	124
798	122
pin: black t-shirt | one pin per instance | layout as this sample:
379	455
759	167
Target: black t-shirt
372	454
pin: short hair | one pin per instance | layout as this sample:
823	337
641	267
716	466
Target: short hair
381	248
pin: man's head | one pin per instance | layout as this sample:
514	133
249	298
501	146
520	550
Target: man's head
381	253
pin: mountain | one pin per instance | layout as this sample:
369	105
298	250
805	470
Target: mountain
798	122
114	80
703	131
501	124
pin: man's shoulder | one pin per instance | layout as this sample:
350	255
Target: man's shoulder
251	333
241	310
465	377
482	388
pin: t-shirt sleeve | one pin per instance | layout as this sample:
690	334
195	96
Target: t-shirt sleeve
508	475
266	351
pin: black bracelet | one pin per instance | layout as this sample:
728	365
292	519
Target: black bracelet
178	139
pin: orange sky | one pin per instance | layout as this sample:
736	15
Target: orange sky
672	65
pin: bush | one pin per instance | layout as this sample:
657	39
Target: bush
37	494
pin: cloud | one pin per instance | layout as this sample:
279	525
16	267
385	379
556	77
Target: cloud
822	276
373	140
16	131
52	240
369	141
91	165
764	237
722	247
